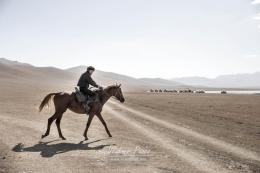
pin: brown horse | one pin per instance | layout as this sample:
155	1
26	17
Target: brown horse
63	101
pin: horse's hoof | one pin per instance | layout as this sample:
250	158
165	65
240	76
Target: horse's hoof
63	138
86	138
110	136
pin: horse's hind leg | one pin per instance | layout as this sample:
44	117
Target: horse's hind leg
58	126
50	120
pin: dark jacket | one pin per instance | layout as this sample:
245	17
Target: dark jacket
85	80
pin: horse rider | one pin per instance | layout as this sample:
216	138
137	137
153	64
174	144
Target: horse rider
84	81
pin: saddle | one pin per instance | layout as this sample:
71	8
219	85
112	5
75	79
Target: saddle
80	96
83	98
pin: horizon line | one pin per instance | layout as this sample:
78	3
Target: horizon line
67	68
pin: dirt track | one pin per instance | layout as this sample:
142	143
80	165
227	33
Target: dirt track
151	133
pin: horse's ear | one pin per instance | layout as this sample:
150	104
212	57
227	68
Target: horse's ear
119	86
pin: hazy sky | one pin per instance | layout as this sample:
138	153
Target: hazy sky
141	38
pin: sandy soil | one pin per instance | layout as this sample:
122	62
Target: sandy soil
151	133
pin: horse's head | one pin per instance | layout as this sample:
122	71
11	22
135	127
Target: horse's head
116	91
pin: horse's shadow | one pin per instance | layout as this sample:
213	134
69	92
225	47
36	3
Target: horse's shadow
49	150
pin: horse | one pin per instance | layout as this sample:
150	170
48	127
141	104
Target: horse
63	101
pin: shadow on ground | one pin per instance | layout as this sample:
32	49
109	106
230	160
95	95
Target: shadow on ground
49	150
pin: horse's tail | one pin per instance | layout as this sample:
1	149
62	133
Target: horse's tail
46	101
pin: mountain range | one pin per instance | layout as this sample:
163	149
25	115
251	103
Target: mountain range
18	73
249	80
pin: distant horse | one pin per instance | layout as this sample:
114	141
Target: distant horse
63	101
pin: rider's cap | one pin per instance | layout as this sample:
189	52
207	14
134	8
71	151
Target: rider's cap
90	68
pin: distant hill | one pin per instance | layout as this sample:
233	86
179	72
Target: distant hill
16	73
25	76
128	82
12	63
250	80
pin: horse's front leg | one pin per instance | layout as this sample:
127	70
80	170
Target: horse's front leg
87	126
104	124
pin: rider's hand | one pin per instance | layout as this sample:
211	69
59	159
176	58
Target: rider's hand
100	87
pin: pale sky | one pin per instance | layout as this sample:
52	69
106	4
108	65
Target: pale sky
140	38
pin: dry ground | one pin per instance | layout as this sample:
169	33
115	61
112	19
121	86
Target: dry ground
151	133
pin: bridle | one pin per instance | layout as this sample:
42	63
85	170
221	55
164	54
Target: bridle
116	94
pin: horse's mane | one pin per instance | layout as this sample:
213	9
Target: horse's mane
98	91
109	87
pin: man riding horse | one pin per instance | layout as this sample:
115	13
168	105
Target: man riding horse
84	81
64	101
